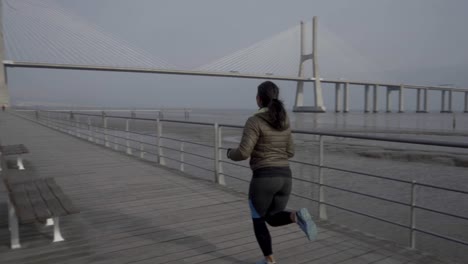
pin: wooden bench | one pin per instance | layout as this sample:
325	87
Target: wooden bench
18	150
31	200
40	201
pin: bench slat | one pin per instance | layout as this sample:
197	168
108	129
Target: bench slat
13	177
14	149
54	205
64	200
23	206
38	204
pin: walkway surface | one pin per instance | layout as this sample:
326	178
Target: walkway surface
136	212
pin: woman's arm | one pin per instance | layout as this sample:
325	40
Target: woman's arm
248	142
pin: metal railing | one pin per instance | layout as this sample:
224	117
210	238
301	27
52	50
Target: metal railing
69	122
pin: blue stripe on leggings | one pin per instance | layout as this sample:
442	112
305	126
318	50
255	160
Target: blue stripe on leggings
253	211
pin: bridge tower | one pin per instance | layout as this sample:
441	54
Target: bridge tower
299	103
4	95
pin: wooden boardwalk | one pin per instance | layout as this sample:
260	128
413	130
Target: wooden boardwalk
137	212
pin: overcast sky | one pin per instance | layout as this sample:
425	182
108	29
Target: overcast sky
415	41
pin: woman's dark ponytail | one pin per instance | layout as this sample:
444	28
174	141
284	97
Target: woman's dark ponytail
268	93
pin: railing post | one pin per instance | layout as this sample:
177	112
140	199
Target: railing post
64	123
219	177
106	136
322	207
161	159
142	148
90	130
182	160
77	125
116	142
127	129
70	123
413	216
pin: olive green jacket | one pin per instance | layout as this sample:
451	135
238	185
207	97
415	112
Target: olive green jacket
266	146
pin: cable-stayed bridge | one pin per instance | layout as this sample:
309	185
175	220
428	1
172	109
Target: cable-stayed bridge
41	34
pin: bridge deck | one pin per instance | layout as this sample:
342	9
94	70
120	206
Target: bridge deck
136	212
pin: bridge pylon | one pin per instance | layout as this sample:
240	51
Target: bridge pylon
319	107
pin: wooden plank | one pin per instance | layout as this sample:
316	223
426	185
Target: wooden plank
23	206
66	203
39	206
54	205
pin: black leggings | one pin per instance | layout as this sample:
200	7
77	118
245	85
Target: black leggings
268	196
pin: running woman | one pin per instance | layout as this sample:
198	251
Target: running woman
267	141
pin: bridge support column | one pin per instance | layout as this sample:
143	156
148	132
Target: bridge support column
318	86
299	95
366	99
421	108
466	102
442	102
375	110
401	105
345	98
418	101
426	100
387	106
337	97
449	110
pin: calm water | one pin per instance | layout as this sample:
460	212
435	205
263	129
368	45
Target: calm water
383	123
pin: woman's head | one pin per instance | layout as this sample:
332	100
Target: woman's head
267	96
267	91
